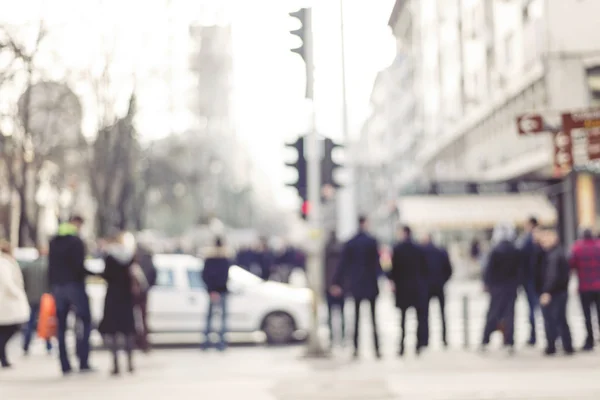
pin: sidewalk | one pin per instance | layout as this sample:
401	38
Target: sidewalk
259	373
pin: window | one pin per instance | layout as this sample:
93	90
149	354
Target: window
195	280
165	278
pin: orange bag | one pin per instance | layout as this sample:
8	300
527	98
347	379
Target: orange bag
47	324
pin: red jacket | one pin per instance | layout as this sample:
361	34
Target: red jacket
585	259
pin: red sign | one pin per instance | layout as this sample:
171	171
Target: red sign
593	144
581	120
563	153
530	123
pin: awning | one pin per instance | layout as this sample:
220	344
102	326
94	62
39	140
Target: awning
474	211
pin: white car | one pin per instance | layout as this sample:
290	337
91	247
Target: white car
179	301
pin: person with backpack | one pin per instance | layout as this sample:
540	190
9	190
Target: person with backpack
144	259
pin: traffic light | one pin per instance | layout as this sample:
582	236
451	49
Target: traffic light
305	209
328	165
300	165
304	33
300	32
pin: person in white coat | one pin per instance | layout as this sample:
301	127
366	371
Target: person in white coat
14	307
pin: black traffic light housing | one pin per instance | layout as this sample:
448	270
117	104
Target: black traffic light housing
300	165
300	32
328	165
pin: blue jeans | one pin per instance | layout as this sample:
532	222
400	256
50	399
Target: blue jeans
31	327
222	304
533	300
73	297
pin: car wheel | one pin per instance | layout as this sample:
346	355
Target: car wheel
279	328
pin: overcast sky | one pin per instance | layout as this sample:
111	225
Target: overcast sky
269	79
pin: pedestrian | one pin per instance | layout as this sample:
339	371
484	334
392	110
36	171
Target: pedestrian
439	270
554	287
118	322
215	275
333	253
66	269
360	267
527	248
14	308
409	278
585	260
144	259
502	278
35	276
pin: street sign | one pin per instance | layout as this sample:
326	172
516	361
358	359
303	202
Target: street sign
563	153
581	120
530	123
593	144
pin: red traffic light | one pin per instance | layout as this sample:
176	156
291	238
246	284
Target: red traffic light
306	208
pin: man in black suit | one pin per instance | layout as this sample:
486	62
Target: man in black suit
409	277
360	267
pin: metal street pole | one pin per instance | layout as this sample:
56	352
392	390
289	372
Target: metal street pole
347	199
315	248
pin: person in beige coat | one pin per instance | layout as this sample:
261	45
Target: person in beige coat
14	307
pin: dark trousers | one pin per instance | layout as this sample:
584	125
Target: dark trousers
336	303
589	300
422	325
533	301
372	303
441	297
501	311
142	331
31	327
6	333
555	322
73	297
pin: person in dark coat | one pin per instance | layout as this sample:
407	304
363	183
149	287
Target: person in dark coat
502	278
144	258
333	253
118	320
554	287
528	250
215	275
67	274
439	273
409	278
360	267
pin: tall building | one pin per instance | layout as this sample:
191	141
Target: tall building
211	64
483	62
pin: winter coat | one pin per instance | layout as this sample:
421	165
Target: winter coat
439	267
585	259
528	259
504	265
144	259
14	307
410	275
119	300
556	272
66	257
360	267
216	270
35	276
333	255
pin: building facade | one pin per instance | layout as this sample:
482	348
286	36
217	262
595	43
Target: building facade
496	59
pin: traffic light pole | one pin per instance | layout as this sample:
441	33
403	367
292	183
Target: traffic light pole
315	348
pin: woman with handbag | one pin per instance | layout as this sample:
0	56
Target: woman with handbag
122	277
14	307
